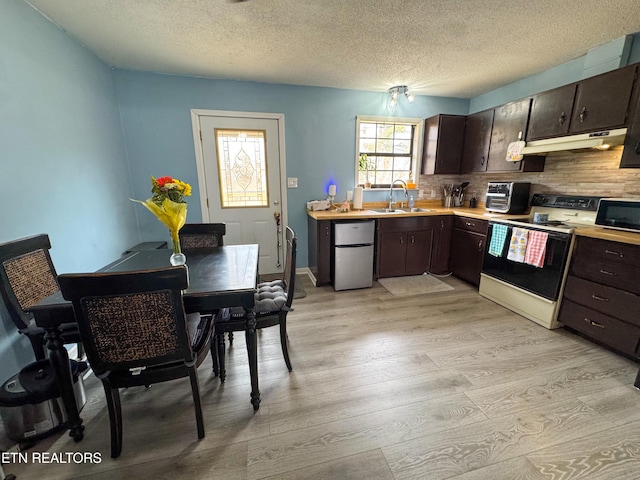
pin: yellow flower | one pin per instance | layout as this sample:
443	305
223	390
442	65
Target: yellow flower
184	187
168	205
172	214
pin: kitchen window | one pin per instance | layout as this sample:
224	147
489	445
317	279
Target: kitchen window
387	149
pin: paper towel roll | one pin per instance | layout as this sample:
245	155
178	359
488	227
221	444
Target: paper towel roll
357	198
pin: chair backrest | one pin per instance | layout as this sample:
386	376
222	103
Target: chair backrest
130	319
27	275
290	264
202	235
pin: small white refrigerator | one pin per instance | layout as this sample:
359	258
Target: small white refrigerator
353	254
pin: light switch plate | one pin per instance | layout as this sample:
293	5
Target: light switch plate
292	182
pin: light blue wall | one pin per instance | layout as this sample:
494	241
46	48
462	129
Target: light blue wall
320	126
563	74
64	169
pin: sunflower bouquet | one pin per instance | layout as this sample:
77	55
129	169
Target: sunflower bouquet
167	203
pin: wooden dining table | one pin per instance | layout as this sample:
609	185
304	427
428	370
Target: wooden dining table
219	277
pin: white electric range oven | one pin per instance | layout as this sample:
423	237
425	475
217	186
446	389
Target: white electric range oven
525	262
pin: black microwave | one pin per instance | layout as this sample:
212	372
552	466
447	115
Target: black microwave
619	213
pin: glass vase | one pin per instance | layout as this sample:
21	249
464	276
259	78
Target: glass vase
177	257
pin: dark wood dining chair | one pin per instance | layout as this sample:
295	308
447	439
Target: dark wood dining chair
273	301
202	235
27	275
136	332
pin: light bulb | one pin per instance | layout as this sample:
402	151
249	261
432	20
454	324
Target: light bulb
394	94
410	97
393	102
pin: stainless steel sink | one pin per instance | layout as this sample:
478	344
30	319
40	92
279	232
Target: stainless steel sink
399	210
415	209
386	210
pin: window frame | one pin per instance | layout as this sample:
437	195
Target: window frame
418	124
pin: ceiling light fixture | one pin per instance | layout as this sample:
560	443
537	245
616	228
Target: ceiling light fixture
395	92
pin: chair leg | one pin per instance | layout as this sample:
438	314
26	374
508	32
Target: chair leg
80	347
284	339
39	346
115	418
222	372
214	353
195	390
230	338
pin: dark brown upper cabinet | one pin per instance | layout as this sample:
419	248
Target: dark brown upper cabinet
443	143
509	125
603	101
631	153
475	154
593	104
551	113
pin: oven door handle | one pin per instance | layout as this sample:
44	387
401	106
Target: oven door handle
552	235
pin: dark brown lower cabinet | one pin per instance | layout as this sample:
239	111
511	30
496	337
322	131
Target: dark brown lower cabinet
319	250
404	246
601	298
467	248
441	244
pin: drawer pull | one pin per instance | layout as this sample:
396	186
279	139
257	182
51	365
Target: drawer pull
470	224
593	324
611	252
597	297
611	274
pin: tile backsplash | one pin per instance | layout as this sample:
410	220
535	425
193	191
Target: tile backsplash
584	173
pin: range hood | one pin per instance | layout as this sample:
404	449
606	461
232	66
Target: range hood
576	142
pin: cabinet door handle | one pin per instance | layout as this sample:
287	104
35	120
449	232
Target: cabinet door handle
401	240
562	119
413	239
326	231
598	297
637	149
583	114
611	274
480	249
592	323
611	252
482	160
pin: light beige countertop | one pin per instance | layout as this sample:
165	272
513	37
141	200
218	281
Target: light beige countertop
437	209
609	234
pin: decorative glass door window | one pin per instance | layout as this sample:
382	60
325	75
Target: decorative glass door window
242	168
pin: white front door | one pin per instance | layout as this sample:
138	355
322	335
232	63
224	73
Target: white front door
240	160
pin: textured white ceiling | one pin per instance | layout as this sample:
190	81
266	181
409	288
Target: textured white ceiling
458	48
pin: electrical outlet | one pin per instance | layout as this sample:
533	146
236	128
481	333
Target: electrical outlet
433	193
292	182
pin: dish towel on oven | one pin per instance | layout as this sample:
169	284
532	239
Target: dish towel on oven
518	245
498	237
536	248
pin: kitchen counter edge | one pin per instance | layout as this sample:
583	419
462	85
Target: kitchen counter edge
435	211
609	234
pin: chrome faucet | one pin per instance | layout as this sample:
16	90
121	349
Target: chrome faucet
404	187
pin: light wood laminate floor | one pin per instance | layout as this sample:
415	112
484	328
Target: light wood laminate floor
445	385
